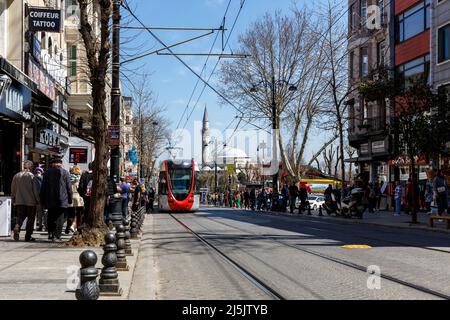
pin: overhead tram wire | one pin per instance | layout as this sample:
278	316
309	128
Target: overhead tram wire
217	63
126	6
204	67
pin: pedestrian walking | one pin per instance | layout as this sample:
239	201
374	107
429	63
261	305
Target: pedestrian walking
41	214
151	199
398	198
293	194
440	190
377	189
76	208
56	196
85	188
136	196
124	195
253	199
372	197
246	199
303	195
428	199
25	198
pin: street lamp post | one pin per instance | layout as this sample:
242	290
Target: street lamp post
115	86
275	125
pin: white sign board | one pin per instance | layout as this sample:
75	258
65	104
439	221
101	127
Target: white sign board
5	216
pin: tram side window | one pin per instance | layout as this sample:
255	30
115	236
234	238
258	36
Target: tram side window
163	184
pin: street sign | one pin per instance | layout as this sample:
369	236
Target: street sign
230	168
44	19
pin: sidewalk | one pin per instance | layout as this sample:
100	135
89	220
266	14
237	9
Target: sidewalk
380	219
43	270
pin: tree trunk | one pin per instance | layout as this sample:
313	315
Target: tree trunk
95	218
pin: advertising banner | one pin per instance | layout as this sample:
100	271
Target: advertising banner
114	135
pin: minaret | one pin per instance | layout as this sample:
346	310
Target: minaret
205	139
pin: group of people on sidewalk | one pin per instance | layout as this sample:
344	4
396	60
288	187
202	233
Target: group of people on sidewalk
52	197
433	195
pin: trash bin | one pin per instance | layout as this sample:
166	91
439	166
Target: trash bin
5	216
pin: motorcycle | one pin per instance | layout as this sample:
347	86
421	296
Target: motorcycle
351	206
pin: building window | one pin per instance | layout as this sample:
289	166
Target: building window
364	63
352	13
444	44
71	9
363	12
381	53
72	59
414	70
351	62
413	21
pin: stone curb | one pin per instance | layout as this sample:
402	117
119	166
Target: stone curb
142	286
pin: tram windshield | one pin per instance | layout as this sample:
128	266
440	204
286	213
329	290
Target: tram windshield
180	182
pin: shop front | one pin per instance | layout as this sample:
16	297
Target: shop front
14	113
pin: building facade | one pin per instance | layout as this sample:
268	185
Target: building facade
414	43
34	109
369	50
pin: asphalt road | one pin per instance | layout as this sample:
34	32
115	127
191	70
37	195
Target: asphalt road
298	258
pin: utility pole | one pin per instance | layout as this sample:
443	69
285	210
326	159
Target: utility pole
115	89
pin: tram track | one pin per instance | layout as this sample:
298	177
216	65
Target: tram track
260	284
375	239
343	262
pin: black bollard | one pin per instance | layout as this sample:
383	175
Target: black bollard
109	278
120	242
89	289
320	211
133	229
128	250
116	211
309	210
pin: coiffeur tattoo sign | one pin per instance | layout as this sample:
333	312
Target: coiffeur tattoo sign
44	19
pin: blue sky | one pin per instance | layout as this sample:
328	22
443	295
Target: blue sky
170	80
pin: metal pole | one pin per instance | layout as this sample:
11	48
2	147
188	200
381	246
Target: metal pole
115	88
275	134
116	205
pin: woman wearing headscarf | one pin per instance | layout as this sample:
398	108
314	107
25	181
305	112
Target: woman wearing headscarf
76	208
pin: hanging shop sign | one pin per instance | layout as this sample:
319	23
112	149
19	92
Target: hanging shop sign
44	19
43	81
16	102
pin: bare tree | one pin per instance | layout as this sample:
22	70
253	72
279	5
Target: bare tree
97	55
338	90
287	48
350	153
151	127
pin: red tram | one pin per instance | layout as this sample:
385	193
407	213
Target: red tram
178	186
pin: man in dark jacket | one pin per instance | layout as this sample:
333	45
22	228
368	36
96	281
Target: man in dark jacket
293	194
85	188
56	195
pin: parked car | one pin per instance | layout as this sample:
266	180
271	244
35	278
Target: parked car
314	201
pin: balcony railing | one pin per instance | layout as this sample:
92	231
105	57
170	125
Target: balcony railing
373	124
368	126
